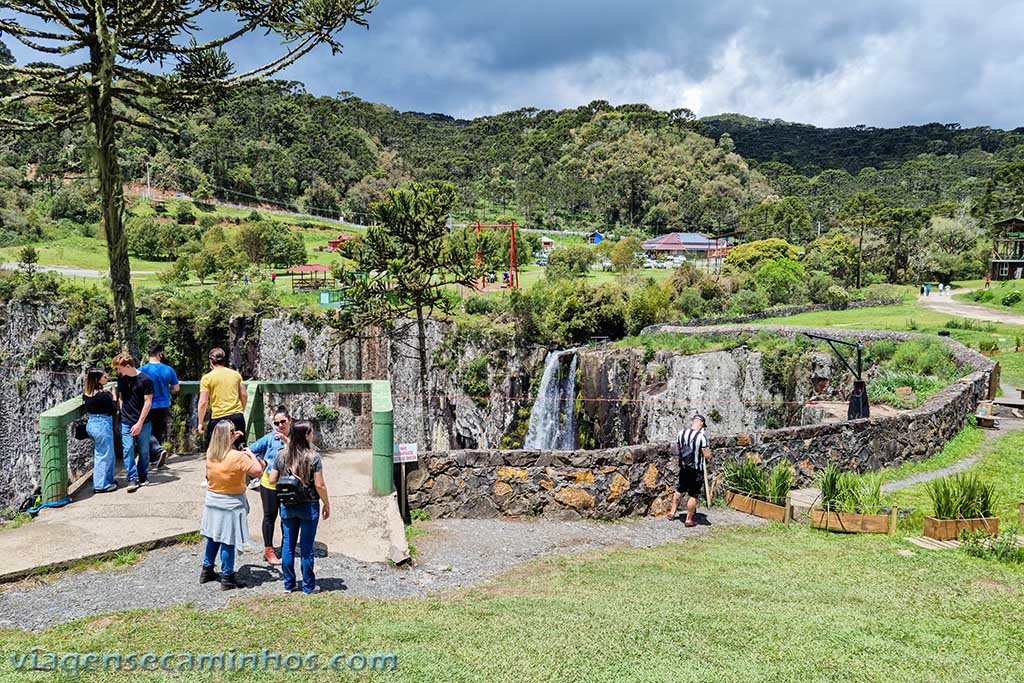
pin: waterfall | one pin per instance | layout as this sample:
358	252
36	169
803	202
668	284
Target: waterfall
553	416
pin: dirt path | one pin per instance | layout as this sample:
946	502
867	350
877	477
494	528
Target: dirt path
453	553
947	304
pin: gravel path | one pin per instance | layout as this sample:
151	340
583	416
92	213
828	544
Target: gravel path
947	304
454	553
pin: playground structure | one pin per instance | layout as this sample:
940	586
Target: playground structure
54	423
513	261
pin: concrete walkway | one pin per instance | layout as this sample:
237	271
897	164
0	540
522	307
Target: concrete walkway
362	526
947	304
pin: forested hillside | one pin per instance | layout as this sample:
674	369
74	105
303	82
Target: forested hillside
810	150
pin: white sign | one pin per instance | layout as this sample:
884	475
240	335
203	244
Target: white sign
406	452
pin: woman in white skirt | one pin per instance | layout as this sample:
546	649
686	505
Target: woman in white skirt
226	513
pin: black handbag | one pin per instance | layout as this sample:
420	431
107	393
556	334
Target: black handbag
81	433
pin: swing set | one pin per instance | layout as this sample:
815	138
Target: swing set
513	261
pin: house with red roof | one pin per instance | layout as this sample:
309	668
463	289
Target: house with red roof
688	244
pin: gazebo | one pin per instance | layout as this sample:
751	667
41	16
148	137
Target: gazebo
311	277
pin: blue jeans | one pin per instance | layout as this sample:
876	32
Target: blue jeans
129	445
227	556
298	523
101	429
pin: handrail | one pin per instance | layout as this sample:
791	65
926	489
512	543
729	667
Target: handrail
53	426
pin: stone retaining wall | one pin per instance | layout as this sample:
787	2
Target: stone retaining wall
784	312
638	480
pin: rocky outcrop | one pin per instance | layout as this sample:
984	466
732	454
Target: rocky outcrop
609	483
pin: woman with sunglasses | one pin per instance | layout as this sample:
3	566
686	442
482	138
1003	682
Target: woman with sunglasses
102	408
266	450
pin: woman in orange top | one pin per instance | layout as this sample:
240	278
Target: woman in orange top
226	513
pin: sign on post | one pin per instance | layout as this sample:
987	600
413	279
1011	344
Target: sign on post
406	452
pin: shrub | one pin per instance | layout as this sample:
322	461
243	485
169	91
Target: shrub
849	492
645	307
988	346
881	351
208	220
482	305
570	261
1011	298
836	297
690	303
184	215
749	301
1003	548
983	295
782	280
746	257
818	284
962	496
924	356
325	413
880	292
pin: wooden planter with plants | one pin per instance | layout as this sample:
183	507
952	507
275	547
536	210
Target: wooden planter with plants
753	490
960	503
852	504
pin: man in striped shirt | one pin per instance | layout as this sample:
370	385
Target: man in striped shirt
692	446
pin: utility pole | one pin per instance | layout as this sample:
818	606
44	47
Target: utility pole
149	189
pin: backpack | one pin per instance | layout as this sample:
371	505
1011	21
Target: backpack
687	452
291	490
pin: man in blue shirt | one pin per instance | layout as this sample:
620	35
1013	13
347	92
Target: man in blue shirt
165	381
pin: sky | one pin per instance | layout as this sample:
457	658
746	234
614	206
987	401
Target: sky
829	63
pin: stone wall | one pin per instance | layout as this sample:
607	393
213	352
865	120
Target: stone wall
639	479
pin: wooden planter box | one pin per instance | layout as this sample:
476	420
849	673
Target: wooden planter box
949	529
756	507
852	523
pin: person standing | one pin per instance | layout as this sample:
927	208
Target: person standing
165	382
988	281
299	519
928	289
102	409
135	396
692	447
266	449
222	390
225	523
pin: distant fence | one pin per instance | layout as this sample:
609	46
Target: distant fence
53	427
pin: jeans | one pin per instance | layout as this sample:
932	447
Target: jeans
129	445
227	556
299	525
101	429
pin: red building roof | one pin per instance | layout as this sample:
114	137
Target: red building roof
683	241
310	268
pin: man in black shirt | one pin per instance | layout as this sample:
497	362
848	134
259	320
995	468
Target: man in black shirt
135	397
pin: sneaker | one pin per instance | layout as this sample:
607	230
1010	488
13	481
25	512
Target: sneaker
271	557
254	484
162	462
205	484
133	486
107	489
316	589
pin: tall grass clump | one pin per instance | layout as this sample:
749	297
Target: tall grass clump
962	496
849	492
752	480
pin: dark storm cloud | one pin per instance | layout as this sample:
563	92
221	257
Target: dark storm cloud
879	62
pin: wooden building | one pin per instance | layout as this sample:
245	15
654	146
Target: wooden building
1008	249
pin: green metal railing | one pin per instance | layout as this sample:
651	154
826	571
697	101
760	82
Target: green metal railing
53	427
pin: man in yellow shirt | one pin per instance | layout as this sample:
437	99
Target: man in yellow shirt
222	390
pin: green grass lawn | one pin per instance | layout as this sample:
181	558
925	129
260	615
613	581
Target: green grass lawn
1002	463
999	290
959	447
773	605
912	317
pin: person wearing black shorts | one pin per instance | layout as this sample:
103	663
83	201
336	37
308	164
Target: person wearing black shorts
692	448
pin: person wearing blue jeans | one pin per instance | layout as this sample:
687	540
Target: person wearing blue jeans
102	410
227	556
135	394
300	508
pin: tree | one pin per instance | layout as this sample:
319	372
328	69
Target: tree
861	213
570	261
412	266
28	260
746	257
627	254
782	279
112	86
834	253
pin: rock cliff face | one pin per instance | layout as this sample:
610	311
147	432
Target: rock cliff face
24	394
461	417
625	400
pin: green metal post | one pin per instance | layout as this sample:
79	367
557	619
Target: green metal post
53	458
383	439
255	424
